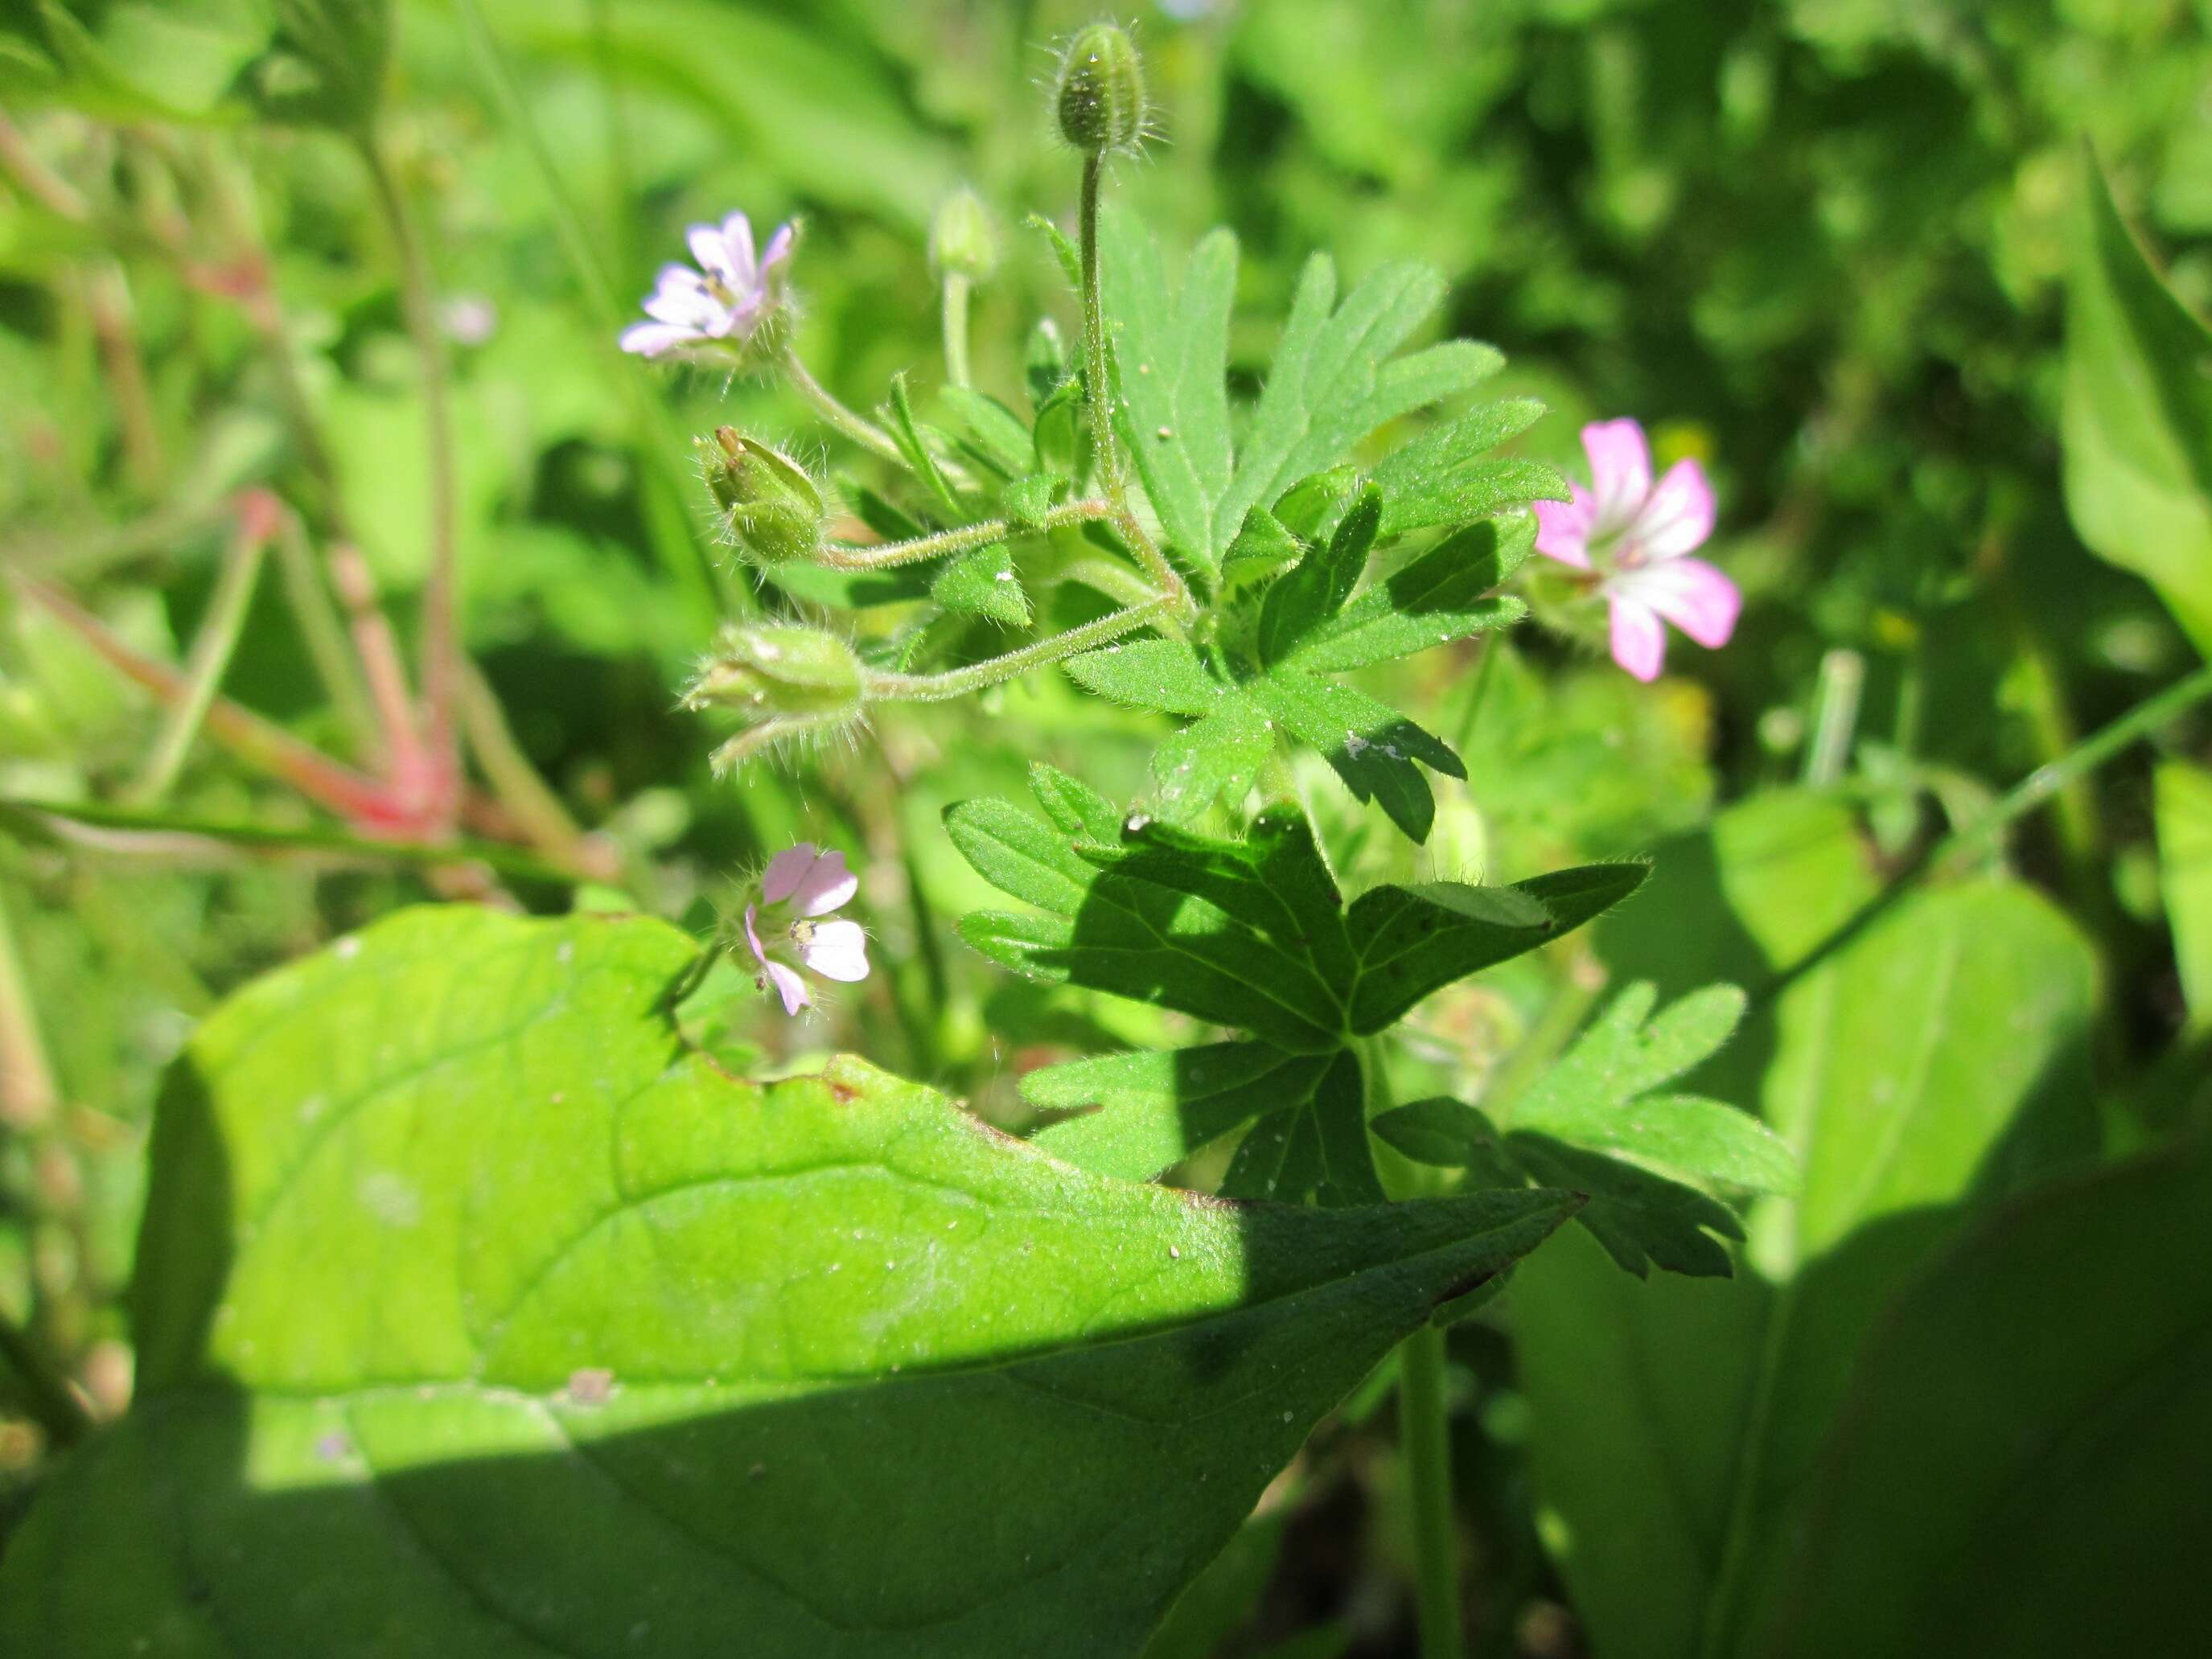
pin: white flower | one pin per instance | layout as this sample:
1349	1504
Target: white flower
728	298
800	885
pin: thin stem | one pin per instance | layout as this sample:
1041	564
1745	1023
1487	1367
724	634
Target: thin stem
526	796
861	430
956	327
441	639
399	753
882	557
28	1093
108	301
1169	579
1978	837
1425	1439
37	180
325	632
959	682
1835	717
1096	390
258	742
114	828
48	1397
687	563
213	647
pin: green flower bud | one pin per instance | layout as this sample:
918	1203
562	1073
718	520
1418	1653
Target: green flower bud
783	678
962	242
1099	93
773	510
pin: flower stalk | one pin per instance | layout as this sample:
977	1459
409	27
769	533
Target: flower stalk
879	686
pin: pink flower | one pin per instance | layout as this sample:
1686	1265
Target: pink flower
801	883
729	297
1635	537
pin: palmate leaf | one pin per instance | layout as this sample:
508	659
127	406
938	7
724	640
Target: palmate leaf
1311	623
1252	934
1592	1123
477	1315
1335	378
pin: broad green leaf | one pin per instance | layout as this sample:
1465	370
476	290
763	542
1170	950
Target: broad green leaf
1369	745
1923	1068
1155	1108
2184	866
477	1315
1314	591
1410	941
1333	379
1643	1218
1216	758
1261	544
2022	1462
1075	808
2138	416
1316	1149
1447	476
982	582
1588	1124
1440	1131
1170	352
988	433
1434	599
1164	674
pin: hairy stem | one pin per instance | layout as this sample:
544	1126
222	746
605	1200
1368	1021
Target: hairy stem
959	682
882	557
1097	391
956	328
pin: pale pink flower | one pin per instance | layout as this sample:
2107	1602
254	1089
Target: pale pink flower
800	885
1635	537
727	299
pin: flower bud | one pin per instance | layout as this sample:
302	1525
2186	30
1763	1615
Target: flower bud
962	242
773	510
784	679
1099	93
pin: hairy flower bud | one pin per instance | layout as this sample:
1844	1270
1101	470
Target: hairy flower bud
784	679
773	510
1099	91
962	242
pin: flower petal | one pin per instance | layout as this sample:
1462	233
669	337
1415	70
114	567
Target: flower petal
1679	514
656	339
789	986
737	240
1563	529
712	254
838	949
695	309
1639	643
778	248
788	869
1621	471
828	886
1694	596
752	936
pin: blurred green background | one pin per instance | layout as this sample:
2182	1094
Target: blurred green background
1822	245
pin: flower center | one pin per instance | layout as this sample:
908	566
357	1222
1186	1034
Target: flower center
802	933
